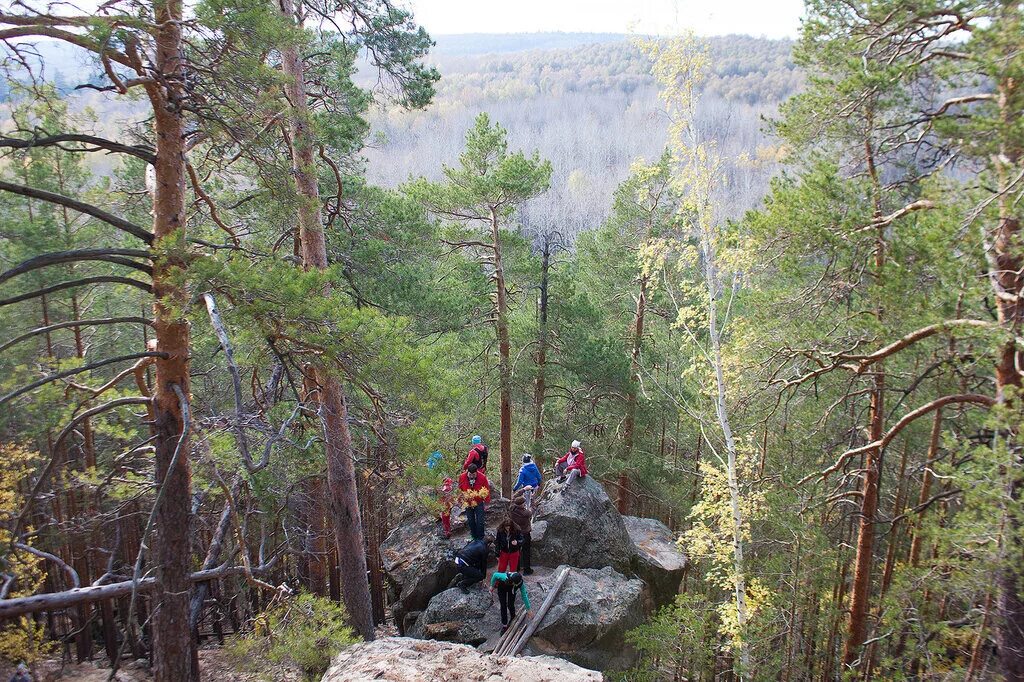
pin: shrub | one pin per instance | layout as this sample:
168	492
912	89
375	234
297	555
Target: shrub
302	632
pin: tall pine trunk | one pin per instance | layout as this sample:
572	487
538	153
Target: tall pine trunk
504	361
629	424
172	643
860	592
341	473
540	386
1008	281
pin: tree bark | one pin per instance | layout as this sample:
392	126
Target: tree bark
341	474
860	593
504	361
172	643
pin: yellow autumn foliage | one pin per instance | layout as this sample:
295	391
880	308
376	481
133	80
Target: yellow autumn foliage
23	640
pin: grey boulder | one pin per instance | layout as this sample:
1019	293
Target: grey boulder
578	525
657	558
589	619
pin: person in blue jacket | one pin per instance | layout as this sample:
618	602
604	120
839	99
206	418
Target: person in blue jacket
529	479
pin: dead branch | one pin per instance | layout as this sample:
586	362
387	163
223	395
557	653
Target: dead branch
58	257
74	323
99	279
77	370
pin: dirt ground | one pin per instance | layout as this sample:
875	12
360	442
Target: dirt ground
214	664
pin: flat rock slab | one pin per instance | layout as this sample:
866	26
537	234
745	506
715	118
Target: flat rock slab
401	659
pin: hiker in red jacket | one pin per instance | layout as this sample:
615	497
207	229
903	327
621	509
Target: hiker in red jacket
476	491
477	455
572	463
447	502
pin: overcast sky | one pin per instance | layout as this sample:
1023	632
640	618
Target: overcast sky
770	18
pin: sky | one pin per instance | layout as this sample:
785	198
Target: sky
769	18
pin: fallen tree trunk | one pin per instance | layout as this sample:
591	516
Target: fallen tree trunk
54	601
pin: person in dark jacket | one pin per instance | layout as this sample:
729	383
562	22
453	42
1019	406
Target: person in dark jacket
470	564
522	517
529	478
507	584
509	541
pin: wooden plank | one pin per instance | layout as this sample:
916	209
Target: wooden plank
535	622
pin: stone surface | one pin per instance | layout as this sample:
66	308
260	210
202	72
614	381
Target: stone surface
418	559
657	558
456	615
400	659
589	618
579	525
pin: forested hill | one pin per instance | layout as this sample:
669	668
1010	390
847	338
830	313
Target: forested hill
588	103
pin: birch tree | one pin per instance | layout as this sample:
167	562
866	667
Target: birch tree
679	65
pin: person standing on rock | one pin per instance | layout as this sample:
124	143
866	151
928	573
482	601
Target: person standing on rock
476	492
529	479
522	516
447	502
509	541
477	455
470	564
571	464
507	584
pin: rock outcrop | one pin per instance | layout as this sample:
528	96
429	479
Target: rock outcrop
417	559
657	558
589	619
399	659
579	526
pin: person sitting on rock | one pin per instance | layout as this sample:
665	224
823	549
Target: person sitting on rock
571	464
522	517
477	455
507	584
476	492
529	478
509	541
470	564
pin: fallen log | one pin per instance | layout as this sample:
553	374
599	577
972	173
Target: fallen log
55	601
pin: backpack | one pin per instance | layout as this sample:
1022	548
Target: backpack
481	450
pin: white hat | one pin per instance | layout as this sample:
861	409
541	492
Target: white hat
575	444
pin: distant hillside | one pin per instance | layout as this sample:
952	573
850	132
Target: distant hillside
490	43
591	109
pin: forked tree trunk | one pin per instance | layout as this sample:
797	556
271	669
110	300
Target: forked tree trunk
504	360
341	473
172	643
629	423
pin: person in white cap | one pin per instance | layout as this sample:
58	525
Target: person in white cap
571	464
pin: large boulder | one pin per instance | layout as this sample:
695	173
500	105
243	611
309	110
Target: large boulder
656	558
578	525
398	659
418	561
588	621
457	615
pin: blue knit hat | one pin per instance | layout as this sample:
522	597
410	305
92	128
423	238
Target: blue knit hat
476	440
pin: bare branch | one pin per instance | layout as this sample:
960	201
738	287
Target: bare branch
77	370
80	206
74	323
99	279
